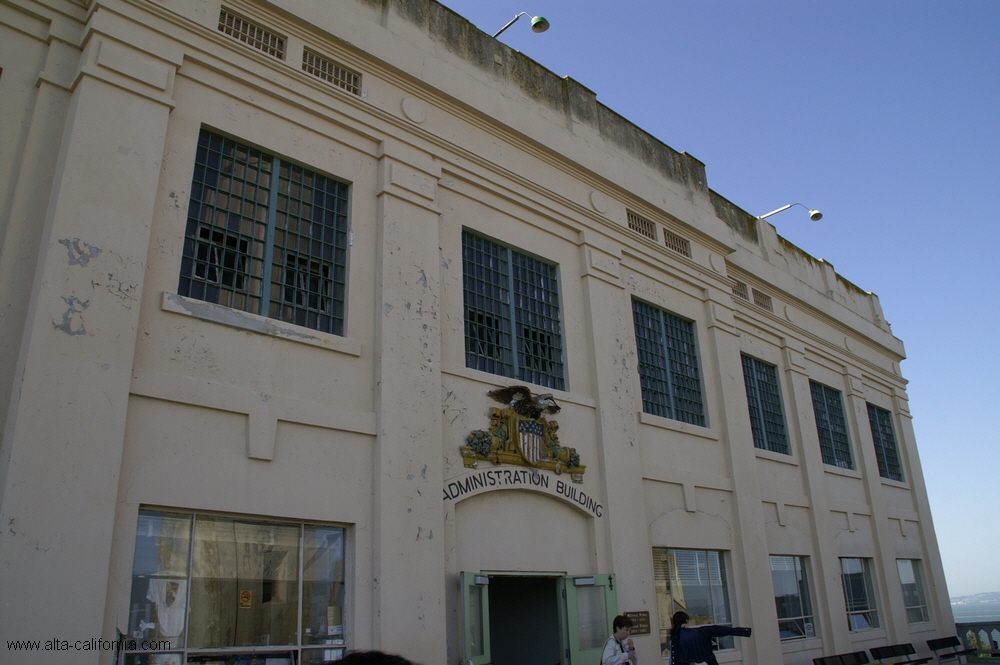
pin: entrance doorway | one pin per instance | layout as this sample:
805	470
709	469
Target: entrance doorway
540	619
524	621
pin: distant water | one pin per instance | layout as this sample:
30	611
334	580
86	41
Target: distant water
968	612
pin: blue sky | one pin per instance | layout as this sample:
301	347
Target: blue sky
883	114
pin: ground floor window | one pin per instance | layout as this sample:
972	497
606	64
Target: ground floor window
913	590
221	589
790	575
859	593
693	581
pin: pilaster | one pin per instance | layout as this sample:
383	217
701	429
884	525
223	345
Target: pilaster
832	621
408	533
750	548
65	425
613	360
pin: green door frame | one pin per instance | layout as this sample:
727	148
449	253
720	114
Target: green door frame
590	605
476	619
590	599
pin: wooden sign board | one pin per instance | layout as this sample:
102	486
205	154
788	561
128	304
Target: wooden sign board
640	622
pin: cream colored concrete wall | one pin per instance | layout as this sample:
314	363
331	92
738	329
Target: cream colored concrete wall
129	395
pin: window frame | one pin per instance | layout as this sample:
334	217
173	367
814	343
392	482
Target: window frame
767	434
807	617
828	427
717	594
266	235
660	354
860	609
511	304
332	644
890	464
920	609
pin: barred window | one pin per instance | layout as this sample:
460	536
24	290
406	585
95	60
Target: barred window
886	453
677	243
512	325
265	236
331	72
252	34
762	300
831	425
668	365
764	400
640	224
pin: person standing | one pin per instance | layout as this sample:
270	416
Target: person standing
694	644
619	648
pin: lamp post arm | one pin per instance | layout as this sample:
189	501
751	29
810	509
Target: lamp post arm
781	209
509	23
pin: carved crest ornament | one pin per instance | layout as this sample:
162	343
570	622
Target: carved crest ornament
521	435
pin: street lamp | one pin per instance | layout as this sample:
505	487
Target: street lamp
814	215
538	24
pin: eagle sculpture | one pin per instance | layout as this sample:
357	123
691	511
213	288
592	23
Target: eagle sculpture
520	400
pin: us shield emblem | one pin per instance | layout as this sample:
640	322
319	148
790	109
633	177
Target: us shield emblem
531	436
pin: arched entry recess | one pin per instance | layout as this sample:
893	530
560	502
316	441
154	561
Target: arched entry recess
529	562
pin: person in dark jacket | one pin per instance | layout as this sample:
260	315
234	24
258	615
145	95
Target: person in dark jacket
694	644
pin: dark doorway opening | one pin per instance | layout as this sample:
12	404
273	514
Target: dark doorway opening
524	621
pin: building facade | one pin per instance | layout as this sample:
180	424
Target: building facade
262	265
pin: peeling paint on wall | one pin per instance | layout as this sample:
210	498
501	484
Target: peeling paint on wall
72	319
80	253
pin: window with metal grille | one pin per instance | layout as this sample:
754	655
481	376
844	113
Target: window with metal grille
265	236
886	453
859	593
512	325
790	577
331	72
677	243
641	225
252	34
693	581
740	290
762	300
668	364
831	425
764	400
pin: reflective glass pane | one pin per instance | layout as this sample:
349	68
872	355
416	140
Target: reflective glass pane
244	588
693	581
154	659
791	597
593	616
475	628
159	578
321	656
323	586
242	658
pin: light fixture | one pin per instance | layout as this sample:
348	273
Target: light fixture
538	24
814	215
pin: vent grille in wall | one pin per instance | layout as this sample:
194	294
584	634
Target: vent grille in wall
252	34
740	290
677	243
641	225
762	300
331	72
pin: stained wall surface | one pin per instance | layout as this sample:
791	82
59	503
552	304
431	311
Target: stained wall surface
119	395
